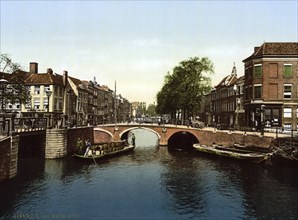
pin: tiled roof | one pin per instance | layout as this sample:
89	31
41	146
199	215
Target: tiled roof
278	49
45	78
275	49
105	88
17	76
76	81
226	81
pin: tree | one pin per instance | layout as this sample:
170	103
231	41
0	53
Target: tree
6	64
13	90
185	87
151	110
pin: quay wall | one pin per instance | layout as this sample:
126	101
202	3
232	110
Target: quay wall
56	143
228	138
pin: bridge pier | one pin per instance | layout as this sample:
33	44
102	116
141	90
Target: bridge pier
56	143
9	157
163	141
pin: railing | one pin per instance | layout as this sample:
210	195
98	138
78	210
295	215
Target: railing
10	125
29	124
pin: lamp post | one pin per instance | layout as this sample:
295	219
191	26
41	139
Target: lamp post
236	106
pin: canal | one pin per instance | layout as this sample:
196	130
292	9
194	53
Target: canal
150	183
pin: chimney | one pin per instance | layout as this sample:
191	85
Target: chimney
33	67
65	77
49	71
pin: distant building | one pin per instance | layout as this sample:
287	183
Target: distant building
271	86
138	109
223	107
65	100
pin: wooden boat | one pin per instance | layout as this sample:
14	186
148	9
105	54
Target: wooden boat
230	152
284	157
252	148
105	150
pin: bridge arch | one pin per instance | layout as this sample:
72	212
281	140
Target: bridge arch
182	140
137	127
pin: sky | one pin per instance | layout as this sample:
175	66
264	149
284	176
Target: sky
136	43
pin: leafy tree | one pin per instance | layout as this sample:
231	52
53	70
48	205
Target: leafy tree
185	87
7	65
13	89
151	110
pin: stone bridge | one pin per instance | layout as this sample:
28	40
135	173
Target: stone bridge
168	134
120	131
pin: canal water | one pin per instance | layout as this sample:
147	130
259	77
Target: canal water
150	183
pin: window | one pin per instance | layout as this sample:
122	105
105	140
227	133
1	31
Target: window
36	103
258	91
28	105
287	127
258	70
37	90
287	70
287	112
46	88
287	91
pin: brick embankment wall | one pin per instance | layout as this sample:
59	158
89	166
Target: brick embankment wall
56	143
84	133
8	157
224	138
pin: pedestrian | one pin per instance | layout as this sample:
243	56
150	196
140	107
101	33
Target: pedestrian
133	140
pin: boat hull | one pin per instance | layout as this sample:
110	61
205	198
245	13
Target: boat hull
105	155
252	157
284	158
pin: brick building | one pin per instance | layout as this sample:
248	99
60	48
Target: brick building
225	103
65	100
271	86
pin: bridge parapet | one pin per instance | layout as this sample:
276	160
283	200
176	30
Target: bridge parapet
10	124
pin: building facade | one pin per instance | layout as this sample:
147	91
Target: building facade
65	100
224	105
271	86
